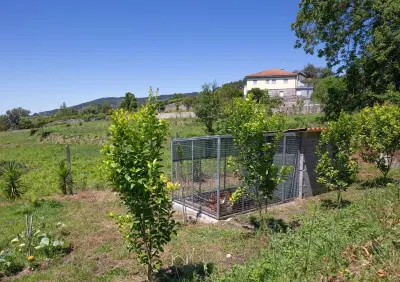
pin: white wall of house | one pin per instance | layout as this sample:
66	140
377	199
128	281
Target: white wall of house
271	83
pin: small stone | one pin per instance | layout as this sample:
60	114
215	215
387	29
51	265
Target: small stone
228	256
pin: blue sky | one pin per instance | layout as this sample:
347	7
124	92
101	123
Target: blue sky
77	51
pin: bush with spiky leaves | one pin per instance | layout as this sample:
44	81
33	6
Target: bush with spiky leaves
63	177
12	184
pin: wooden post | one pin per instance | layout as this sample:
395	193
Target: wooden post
68	155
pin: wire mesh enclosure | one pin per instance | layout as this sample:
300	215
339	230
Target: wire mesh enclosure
200	166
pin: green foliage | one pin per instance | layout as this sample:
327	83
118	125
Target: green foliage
65	112
379	135
63	177
12	184
9	265
336	168
4	125
129	103
315	73
95	109
320	93
228	92
189	102
133	162
41	243
14	116
342	98
365	33
208	106
248	122
258	94
349	244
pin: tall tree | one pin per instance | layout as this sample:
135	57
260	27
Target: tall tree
15	115
129	103
208	106
321	88
4	125
348	32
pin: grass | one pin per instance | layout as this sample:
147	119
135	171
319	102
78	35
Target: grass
42	156
355	242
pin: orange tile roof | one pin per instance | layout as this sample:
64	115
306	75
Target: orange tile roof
272	72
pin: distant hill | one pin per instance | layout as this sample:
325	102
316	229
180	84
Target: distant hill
113	101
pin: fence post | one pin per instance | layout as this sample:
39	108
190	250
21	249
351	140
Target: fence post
284	163
301	166
192	169
68	156
218	176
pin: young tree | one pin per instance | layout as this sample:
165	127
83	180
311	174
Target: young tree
336	167
133	161
379	135
129	103
248	122
208	106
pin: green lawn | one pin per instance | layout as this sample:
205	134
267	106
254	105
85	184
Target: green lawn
41	156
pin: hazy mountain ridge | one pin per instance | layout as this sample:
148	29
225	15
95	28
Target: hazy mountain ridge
113	101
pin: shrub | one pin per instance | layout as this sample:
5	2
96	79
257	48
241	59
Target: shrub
63	177
12	183
379	135
133	162
336	168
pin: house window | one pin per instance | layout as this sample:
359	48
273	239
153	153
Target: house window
254	82
298	92
281	93
267	81
274	81
285	81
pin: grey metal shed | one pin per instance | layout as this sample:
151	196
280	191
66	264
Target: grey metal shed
199	164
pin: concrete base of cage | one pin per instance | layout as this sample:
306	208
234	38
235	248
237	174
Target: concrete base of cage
192	213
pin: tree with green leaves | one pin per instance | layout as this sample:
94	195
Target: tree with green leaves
14	116
189	102
321	88
336	167
248	122
257	94
379	135
4	124
350	33
133	161
129	103
208	106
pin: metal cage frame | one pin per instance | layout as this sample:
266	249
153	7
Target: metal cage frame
199	164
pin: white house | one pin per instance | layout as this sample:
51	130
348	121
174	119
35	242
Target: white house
286	84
